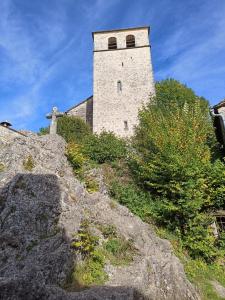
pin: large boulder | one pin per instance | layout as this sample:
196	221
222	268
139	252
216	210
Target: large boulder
41	207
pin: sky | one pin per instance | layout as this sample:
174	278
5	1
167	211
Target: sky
46	49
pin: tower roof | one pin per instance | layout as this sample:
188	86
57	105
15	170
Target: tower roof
121	29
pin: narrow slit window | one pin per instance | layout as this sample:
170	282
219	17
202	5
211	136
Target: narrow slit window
130	41
119	86
125	125
112	43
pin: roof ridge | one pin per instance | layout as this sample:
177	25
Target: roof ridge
78	104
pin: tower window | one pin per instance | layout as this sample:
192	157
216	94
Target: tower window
125	125
130	41
119	86
112	43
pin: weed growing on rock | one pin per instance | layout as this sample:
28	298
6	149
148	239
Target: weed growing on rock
91	184
108	230
119	251
84	241
91	270
2	167
75	156
28	163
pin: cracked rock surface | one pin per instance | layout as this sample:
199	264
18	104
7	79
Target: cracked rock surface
41	209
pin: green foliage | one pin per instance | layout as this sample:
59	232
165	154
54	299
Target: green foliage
172	160
221	242
119	251
171	91
105	147
72	129
75	156
84	241
202	274
197	270
199	238
108	230
138	201
28	163
43	131
2	167
91	271
91	184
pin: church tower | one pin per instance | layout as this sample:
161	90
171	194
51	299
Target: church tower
123	78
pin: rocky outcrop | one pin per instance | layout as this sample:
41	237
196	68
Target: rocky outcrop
42	208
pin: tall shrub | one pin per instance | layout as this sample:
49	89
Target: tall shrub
72	129
173	161
105	147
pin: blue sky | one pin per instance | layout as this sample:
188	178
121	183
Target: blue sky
46	49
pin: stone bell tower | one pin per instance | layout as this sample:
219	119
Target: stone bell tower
123	78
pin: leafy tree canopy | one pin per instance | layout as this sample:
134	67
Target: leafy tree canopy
170	91
72	129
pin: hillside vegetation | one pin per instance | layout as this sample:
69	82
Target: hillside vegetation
61	238
170	174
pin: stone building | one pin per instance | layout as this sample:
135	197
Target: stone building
122	80
6	132
218	114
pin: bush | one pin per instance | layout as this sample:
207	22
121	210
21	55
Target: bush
72	129
172	160
43	131
75	156
138	201
105	147
202	275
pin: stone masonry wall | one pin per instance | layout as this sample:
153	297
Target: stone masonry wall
221	110
84	110
115	110
7	133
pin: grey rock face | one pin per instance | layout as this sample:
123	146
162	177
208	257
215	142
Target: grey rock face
220	290
41	209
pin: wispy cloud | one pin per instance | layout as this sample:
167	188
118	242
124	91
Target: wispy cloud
30	56
46	49
194	51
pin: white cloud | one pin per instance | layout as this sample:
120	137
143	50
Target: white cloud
196	49
30	58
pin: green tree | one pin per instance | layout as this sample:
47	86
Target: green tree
72	129
172	160
43	131
171	91
105	147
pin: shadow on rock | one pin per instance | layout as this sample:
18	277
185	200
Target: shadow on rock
35	253
33	248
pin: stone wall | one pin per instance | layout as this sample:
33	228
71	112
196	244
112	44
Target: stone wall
83	110
8	133
113	109
221	110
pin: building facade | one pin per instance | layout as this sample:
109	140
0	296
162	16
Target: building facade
122	80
